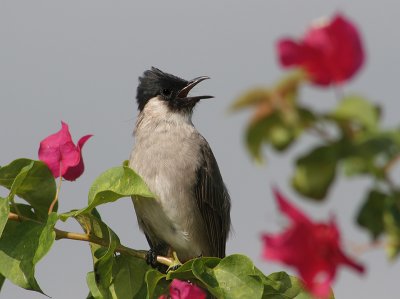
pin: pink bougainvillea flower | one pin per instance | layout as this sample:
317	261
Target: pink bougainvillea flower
184	290
330	52
314	249
61	155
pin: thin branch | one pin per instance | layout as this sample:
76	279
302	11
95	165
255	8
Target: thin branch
321	133
386	172
14	204
359	249
60	234
53	203
390	164
16	217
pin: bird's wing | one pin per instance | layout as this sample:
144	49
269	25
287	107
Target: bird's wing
213	201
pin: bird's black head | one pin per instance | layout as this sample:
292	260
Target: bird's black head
169	88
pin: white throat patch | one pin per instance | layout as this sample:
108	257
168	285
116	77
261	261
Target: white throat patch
157	110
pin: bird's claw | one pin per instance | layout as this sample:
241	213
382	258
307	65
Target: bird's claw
176	263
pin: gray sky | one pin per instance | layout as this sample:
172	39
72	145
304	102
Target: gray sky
78	61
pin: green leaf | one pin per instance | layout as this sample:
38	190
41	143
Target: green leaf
129	277
156	284
32	181
357	109
287	88
4	211
255	137
279	129
315	171
277	119
111	185
114	276
93	288
22	245
233	277
280	134
25	210
103	257
19	179
286	287
184	272
2	279
391	220
250	98
103	268
271	129
370	216
369	154
115	183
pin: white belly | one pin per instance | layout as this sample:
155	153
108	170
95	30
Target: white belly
165	158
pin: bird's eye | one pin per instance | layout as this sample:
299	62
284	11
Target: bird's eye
166	92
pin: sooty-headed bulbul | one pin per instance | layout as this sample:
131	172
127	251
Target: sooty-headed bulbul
191	212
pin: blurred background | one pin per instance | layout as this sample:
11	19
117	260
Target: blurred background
78	61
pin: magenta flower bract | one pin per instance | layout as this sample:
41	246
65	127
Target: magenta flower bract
330	53
314	249
61	155
184	290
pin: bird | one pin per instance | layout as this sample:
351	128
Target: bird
190	214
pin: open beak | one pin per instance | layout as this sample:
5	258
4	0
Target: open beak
192	83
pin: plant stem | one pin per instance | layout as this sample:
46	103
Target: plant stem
14	204
53	203
359	249
391	163
60	234
386	172
321	133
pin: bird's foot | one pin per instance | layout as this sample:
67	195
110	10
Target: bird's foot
176	263
151	257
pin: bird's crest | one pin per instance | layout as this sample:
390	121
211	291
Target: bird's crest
153	82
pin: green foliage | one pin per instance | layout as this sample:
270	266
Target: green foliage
286	286
123	276
22	245
103	257
235	276
278	120
2	279
391	220
4	210
371	213
128	279
32	181
114	276
118	272
94	292
111	185
253	97
280	129
316	171
156	284
371	153
349	139
357	110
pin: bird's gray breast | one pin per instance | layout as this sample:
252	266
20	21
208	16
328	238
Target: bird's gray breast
165	155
